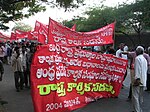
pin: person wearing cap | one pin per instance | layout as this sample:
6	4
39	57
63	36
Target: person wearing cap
131	59
139	82
97	48
120	50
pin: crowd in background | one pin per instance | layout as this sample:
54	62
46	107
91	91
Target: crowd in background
139	68
19	55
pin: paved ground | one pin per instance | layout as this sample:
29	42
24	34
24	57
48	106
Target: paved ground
22	102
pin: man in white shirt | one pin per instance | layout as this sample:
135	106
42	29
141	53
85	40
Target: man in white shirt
24	63
119	54
120	51
139	83
18	69
97	48
125	50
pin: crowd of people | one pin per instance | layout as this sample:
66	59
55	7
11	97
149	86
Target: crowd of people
19	56
139	66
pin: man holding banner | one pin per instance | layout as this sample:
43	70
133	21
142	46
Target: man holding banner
68	78
65	78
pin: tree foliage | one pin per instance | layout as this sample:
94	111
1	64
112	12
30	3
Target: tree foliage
143	7
99	17
13	10
22	27
130	18
94	18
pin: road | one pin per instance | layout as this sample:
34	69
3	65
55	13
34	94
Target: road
22	102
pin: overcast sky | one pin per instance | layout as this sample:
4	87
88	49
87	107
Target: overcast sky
60	15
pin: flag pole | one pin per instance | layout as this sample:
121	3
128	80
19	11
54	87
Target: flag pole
48	31
114	35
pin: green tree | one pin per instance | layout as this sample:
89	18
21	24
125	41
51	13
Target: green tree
79	21
99	17
13	10
143	6
22	27
93	18
130	18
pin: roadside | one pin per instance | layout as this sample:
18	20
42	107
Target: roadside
22	102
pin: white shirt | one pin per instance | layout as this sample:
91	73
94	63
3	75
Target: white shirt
5	51
97	48
119	53
24	59
124	56
17	63
140	68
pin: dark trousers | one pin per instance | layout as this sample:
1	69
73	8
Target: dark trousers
2	59
148	82
28	74
26	78
5	60
125	75
130	92
19	80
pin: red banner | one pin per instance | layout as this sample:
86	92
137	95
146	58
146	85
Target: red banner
21	34
67	37
42	31
64	79
13	36
73	27
33	35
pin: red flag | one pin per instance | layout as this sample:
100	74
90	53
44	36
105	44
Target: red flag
73	27
13	36
21	34
33	35
65	36
42	31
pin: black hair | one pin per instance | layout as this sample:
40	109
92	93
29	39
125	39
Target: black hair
16	48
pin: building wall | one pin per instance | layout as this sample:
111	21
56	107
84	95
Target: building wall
145	40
